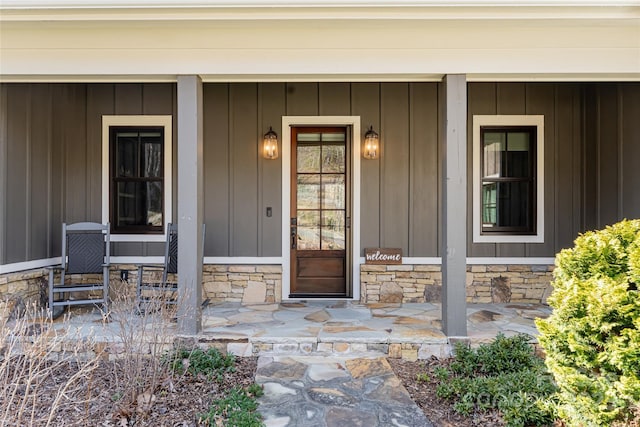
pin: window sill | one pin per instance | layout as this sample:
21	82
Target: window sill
513	238
138	237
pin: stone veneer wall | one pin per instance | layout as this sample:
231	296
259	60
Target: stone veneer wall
485	283
249	284
21	289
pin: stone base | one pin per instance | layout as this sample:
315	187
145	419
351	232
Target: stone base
485	283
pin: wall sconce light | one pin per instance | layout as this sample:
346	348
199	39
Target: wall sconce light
371	144
270	145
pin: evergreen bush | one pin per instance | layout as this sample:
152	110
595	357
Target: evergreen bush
592	338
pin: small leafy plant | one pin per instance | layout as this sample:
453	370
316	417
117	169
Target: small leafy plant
592	338
237	409
211	363
504	375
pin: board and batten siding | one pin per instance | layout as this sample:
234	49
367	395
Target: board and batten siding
399	190
50	159
51	145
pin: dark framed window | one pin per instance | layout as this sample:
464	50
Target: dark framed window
508	179
136	171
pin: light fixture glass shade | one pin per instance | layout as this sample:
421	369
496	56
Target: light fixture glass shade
270	145
371	144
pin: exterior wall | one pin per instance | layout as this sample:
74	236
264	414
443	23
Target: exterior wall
399	192
53	138
51	134
485	283
21	290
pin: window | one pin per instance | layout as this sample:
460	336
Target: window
137	176
508	179
137	179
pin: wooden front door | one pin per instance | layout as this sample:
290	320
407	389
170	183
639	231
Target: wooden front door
320	200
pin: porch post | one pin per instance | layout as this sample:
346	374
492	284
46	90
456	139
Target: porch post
454	206
190	207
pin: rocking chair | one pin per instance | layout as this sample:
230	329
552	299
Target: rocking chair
85	251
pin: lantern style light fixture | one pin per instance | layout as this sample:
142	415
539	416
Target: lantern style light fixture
270	145
371	144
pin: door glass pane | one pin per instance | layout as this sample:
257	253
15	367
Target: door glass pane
333	230
308	158
333	137
333	159
309	137
333	195
308	230
308	191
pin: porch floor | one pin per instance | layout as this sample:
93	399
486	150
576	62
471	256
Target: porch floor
409	331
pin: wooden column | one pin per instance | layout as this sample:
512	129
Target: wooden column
454	205
190	204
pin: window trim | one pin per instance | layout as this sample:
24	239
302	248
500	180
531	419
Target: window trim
480	121
142	121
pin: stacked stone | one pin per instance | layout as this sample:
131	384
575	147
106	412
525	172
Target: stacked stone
21	289
249	284
398	283
485	283
509	283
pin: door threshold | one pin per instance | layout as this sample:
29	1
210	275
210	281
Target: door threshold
299	298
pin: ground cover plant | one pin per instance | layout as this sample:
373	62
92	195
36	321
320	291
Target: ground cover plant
504	375
592	338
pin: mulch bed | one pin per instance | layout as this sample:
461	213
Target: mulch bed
94	400
439	411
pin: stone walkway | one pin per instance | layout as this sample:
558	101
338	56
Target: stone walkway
315	391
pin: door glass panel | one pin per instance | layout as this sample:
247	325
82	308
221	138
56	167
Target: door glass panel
308	158
308	191
309	137
308	230
333	137
333	159
333	230
333	196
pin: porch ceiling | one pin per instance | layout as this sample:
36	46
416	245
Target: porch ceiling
322	40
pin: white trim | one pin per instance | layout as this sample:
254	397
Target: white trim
243	260
479	261
138	120
242	4
511	261
29	265
287	123
508	120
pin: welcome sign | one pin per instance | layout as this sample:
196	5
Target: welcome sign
382	256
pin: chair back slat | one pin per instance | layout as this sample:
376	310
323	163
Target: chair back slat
171	255
85	252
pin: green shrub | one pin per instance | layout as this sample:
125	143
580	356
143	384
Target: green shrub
592	338
505	375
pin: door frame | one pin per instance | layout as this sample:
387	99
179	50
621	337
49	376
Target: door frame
355	137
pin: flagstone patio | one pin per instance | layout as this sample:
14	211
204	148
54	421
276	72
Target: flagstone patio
342	328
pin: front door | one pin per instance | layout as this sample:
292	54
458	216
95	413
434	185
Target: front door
320	213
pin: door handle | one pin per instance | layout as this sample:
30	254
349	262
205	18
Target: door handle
294	238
